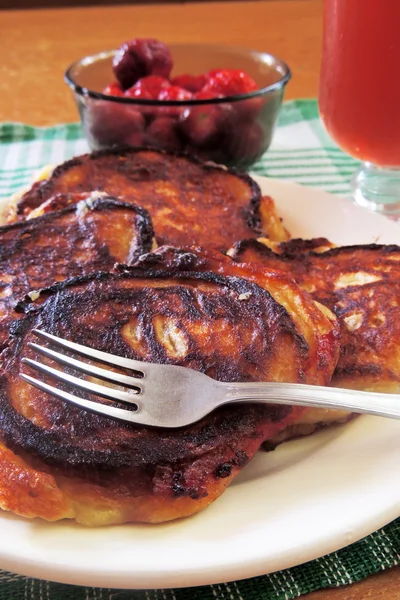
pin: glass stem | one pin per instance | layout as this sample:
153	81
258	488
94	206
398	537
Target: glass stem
377	188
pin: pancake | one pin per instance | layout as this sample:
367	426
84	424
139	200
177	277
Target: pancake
361	285
83	238
190	202
233	323
318	327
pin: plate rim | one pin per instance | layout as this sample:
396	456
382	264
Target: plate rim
230	571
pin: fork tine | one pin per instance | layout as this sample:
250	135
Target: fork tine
83	384
120	414
85	367
111	359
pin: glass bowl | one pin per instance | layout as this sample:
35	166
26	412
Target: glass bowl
234	130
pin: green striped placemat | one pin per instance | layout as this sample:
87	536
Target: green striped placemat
301	151
377	552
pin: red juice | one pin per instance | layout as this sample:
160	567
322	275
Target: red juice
359	96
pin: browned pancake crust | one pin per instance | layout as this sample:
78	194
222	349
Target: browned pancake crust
361	285
190	202
317	327
289	248
77	240
113	312
59	202
223	324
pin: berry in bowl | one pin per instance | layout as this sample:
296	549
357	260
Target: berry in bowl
217	103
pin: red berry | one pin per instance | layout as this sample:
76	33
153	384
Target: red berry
152	84
141	93
206	95
140	57
127	66
137	91
137	138
113	89
229	82
174	92
193	83
109	123
202	123
162	133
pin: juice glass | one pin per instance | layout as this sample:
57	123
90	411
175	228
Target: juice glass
359	95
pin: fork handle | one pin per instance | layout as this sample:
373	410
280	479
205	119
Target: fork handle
297	394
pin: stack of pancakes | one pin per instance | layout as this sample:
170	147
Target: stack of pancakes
166	259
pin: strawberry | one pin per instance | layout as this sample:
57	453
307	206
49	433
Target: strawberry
206	95
148	87
200	124
110	123
140	57
153	84
174	92
162	133
229	82
193	83
138	92
113	89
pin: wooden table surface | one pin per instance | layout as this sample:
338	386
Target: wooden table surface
37	45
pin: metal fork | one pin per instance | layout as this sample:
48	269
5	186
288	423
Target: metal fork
174	396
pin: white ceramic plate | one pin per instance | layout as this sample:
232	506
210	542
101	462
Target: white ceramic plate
308	498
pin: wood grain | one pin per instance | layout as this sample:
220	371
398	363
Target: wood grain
37	45
13	4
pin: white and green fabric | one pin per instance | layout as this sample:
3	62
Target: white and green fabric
302	152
